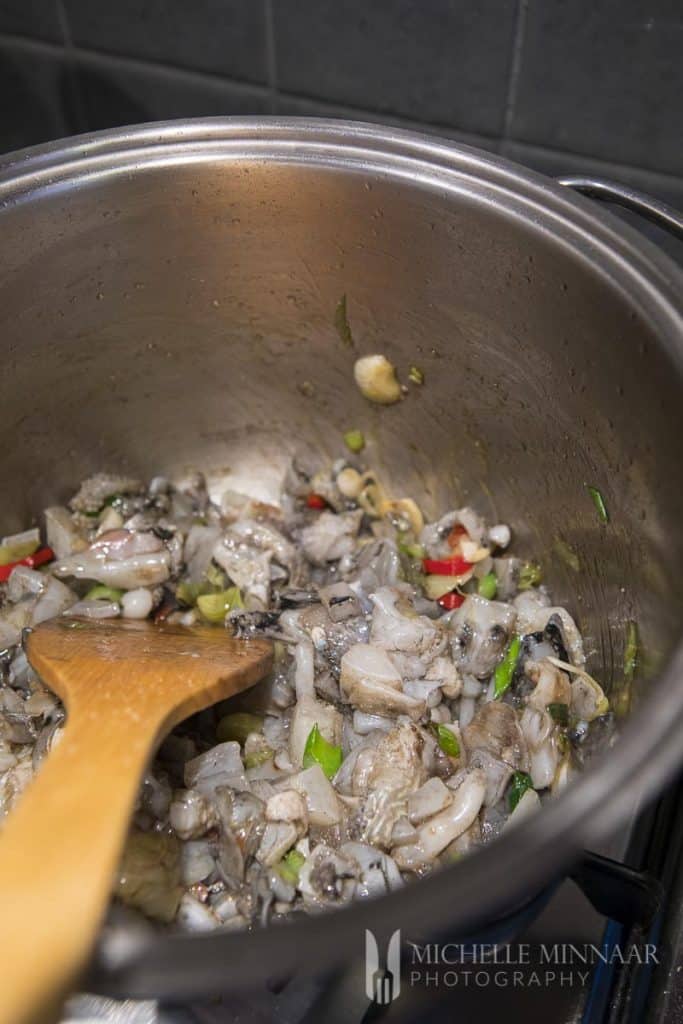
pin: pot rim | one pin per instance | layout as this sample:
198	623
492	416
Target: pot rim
521	861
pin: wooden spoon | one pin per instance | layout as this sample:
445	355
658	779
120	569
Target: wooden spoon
125	685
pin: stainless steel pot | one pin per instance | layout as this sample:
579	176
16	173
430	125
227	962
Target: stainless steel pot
168	299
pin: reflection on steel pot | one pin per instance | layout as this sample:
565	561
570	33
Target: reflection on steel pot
170	297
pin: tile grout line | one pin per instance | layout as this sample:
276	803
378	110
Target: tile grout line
271	54
64	25
515	67
72	75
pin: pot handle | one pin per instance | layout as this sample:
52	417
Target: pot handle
659	213
618	891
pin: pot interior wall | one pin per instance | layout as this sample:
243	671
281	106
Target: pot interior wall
184	317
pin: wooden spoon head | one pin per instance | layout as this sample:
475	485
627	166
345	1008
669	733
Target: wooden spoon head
159	667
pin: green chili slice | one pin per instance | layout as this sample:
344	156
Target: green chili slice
214	607
529	575
447	740
505	670
599	503
631	650
290	866
488	586
518	787
354	440
319	751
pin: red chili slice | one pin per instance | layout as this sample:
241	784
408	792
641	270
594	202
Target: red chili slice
455	566
451	600
316	501
40	557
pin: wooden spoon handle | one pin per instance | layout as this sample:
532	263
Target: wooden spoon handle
59	850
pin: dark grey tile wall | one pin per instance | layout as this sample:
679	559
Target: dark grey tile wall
604	78
441	62
37	18
116	92
36	91
224	37
586	85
